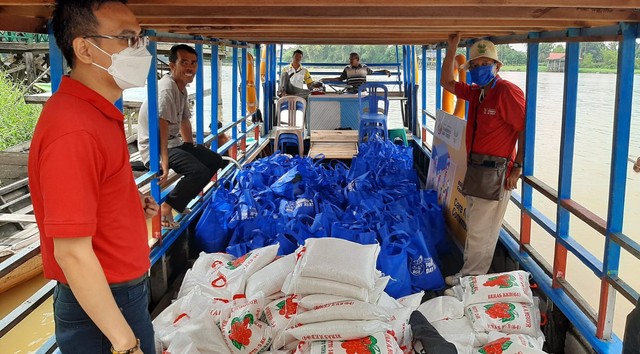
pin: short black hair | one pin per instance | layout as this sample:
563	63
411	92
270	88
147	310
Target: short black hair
296	52
354	54
72	19
173	54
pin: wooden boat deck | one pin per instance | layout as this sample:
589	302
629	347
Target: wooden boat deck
334	144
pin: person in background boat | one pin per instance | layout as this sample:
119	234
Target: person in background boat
500	120
196	163
294	78
355	74
91	217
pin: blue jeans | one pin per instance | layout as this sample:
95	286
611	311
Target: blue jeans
76	332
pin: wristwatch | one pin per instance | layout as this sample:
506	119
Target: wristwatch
127	351
517	165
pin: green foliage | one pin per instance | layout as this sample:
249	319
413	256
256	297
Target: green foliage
510	56
17	118
543	51
340	53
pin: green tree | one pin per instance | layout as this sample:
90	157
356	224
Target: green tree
587	61
558	49
595	49
340	53
610	58
510	56
543	51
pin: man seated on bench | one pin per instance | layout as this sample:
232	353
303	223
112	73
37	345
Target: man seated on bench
355	74
197	164
295	76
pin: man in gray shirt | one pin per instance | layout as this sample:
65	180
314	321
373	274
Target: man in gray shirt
355	74
196	163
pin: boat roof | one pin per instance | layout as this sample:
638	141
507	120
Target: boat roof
348	22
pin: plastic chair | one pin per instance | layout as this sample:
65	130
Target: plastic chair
400	134
293	131
374	108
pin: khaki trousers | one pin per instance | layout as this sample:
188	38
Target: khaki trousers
484	220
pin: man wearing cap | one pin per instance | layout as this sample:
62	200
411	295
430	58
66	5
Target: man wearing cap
495	122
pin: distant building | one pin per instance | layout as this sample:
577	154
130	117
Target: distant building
555	62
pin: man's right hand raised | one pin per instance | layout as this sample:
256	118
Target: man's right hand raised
454	41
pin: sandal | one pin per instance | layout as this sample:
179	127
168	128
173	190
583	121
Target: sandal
168	223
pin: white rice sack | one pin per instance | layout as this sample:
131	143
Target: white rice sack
207	262
400	328
337	330
279	314
220	283
378	289
255	260
343	310
379	343
269	279
459	332
412	301
499	287
303	348
311	301
507	346
442	308
522	339
182	345
389	302
242	305
307	285
242	330
274	296
341	261
506	317
190	317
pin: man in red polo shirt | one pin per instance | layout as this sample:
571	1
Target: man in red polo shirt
89	212
495	123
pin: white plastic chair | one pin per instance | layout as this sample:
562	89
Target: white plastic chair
288	110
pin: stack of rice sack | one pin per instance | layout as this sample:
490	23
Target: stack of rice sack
326	297
496	314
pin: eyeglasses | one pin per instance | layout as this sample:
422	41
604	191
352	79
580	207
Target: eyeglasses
132	41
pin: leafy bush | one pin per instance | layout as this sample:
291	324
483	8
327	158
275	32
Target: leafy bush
17	118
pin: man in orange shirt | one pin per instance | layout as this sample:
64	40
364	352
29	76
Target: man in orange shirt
89	212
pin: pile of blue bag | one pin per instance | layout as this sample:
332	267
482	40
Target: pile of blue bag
285	200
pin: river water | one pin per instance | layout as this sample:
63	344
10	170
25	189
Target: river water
590	187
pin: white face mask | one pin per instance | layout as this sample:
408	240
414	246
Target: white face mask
129	67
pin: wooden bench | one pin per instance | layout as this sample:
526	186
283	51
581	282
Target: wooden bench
334	144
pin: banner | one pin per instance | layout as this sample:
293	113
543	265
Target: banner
447	168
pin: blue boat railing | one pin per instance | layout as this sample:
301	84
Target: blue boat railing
594	324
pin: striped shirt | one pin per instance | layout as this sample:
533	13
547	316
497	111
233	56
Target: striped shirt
355	75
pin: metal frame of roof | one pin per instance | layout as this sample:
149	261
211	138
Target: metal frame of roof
355	22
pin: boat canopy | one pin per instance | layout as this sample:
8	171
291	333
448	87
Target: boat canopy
356	22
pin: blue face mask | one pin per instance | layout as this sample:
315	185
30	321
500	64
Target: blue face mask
482	75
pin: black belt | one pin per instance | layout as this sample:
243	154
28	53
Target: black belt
132	282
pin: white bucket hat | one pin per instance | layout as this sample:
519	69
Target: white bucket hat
480	49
